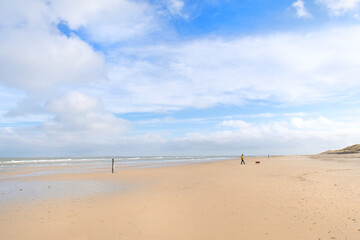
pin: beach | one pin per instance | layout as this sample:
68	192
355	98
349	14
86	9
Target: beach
283	197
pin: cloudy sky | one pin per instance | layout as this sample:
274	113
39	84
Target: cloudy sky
178	77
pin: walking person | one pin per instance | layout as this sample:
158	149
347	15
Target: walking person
242	159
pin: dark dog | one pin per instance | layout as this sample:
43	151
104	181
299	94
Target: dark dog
257	162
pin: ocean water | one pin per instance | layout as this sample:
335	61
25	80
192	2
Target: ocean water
44	166
152	161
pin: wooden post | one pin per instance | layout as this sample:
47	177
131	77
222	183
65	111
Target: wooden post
113	166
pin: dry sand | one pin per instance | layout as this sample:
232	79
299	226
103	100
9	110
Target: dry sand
288	197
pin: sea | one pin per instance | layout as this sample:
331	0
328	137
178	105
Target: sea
121	162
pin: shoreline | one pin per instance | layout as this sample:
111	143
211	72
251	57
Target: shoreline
284	197
87	164
26	184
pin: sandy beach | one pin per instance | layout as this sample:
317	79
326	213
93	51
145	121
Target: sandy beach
285	197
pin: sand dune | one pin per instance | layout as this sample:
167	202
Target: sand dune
347	150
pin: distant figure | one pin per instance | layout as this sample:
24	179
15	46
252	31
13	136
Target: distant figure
242	159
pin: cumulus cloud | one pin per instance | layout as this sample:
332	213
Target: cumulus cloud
288	128
176	7
285	67
339	7
320	123
287	136
107	21
82	118
30	14
34	54
43	64
235	123
292	135
300	8
77	121
35	57
282	67
38	64
37	60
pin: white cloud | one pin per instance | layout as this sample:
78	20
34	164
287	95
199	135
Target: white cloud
107	21
39	64
286	136
339	7
25	14
176	7
35	57
38	60
295	128
318	123
285	67
82	118
235	123
300	8
78	123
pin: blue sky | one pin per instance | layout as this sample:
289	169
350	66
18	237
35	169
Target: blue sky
176	77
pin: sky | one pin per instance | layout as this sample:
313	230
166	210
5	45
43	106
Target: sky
178	77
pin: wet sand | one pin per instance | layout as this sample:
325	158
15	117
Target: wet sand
287	197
